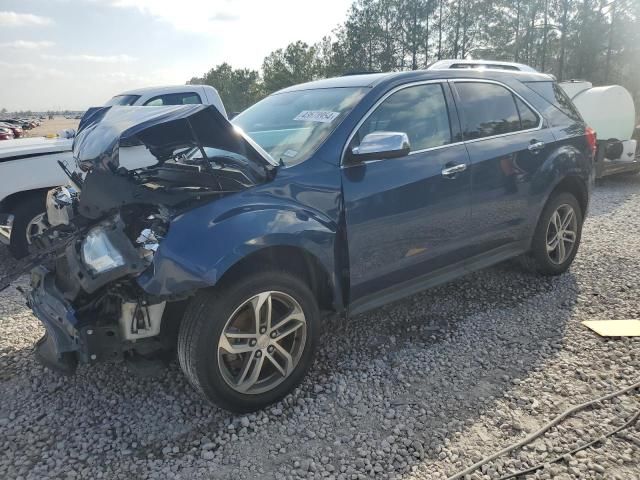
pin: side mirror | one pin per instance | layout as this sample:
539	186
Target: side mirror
381	145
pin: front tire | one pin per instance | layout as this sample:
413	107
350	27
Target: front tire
249	343
557	236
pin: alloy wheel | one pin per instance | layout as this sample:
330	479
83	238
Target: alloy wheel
262	342
562	233
37	226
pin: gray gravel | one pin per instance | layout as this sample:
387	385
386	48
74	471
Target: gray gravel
416	390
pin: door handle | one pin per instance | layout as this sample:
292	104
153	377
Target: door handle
536	146
452	171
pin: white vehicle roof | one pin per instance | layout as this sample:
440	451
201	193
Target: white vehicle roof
486	64
165	89
208	94
34	146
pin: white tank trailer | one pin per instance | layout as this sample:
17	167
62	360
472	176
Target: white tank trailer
610	111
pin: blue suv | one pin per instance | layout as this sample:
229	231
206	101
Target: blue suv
335	196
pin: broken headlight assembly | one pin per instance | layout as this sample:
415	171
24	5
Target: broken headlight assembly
98	252
107	247
153	230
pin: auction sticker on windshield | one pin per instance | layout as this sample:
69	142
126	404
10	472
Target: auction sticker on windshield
322	116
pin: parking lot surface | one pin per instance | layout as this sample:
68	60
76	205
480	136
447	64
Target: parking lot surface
417	390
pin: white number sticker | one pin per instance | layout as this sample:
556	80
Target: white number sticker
322	116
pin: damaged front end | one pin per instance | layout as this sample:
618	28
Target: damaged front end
110	222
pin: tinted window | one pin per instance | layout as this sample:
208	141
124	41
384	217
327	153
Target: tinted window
528	118
186	98
123	100
420	112
554	94
488	109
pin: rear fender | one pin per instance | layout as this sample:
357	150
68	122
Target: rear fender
566	162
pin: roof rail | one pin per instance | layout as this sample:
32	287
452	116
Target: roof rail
486	64
360	72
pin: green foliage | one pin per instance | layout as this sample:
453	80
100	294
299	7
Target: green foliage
238	88
596	40
297	63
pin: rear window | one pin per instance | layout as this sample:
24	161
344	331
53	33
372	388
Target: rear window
185	98
553	94
125	100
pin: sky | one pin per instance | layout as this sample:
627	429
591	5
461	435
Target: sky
73	54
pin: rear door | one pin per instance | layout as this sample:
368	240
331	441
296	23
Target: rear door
405	219
508	142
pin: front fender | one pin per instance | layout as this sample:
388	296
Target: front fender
204	243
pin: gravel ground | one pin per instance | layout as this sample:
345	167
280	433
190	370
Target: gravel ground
417	390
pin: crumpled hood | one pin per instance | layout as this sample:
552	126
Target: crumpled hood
163	130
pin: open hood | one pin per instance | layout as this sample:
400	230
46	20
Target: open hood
163	130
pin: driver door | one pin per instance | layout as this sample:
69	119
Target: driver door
407	218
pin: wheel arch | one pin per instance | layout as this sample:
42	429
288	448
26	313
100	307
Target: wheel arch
574	185
247	240
294	260
10	201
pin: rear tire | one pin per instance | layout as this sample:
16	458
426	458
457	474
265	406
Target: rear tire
221	344
24	213
557	236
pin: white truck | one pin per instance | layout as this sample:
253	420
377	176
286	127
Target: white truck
29	167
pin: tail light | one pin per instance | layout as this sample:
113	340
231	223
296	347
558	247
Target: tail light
591	136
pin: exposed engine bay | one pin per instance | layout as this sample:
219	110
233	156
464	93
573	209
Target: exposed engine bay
108	224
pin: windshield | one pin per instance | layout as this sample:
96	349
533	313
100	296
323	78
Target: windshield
122	100
290	126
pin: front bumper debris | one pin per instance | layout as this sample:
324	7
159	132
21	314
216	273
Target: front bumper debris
6	224
57	349
68	340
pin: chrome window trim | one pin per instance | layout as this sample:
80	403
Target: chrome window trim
440	81
435	148
513	92
377	104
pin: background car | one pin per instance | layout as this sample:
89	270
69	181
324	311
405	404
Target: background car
171	95
18	123
17	130
6	133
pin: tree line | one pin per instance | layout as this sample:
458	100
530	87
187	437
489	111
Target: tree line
595	40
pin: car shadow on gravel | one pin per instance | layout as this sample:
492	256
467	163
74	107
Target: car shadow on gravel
446	355
429	364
